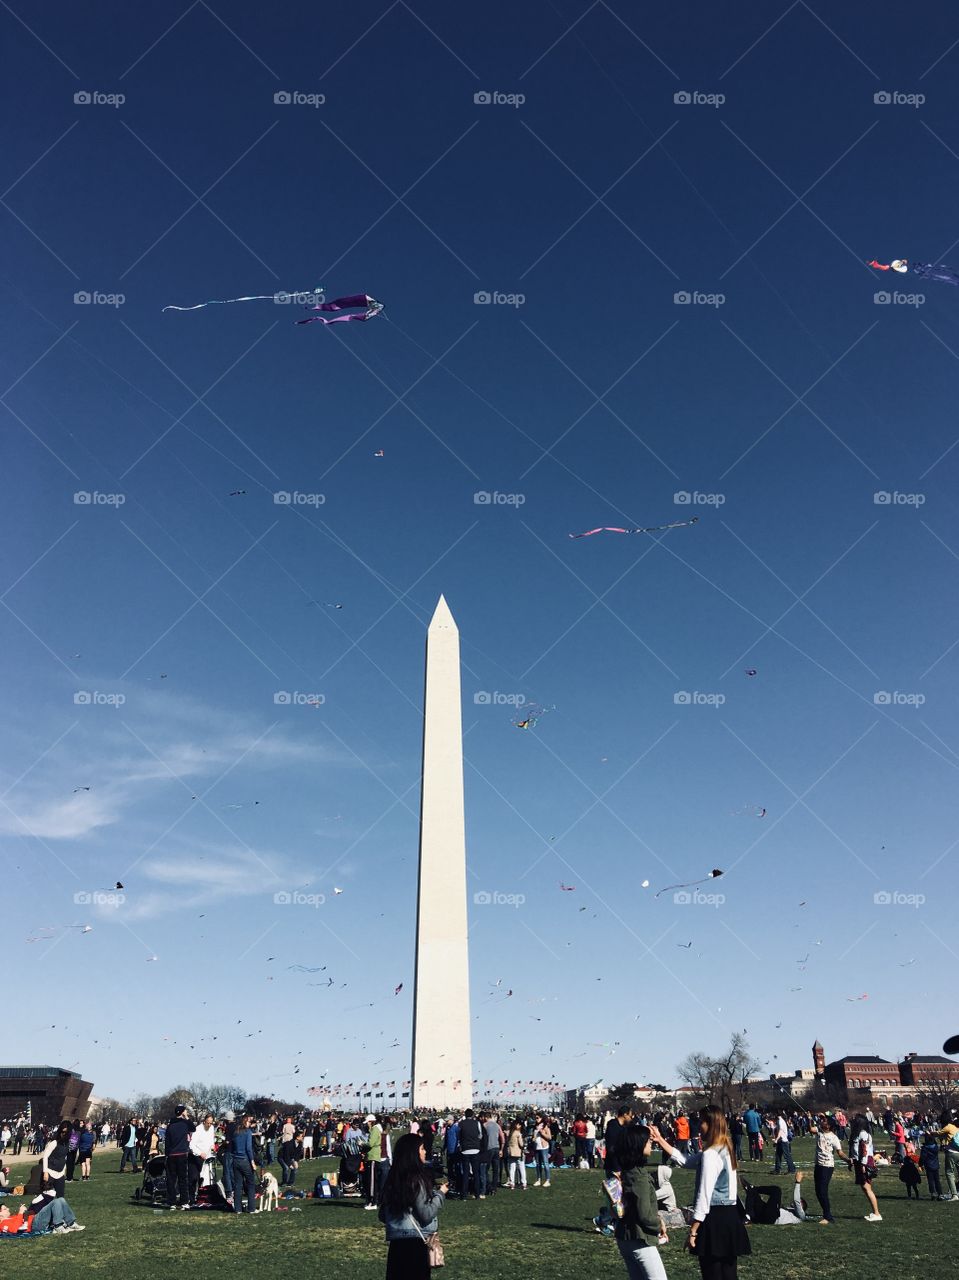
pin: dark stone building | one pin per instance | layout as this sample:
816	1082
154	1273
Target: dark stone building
53	1093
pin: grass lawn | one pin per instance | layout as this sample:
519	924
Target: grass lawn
537	1233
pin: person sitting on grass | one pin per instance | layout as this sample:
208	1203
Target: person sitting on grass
48	1212
765	1207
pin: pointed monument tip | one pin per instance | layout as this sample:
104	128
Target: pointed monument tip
441	615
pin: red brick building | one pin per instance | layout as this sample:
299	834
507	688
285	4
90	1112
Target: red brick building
857	1073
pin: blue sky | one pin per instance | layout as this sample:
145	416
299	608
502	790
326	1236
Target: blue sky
781	398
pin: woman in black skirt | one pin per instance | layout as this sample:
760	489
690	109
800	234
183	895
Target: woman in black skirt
409	1205
717	1234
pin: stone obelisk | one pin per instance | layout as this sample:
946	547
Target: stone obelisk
442	1061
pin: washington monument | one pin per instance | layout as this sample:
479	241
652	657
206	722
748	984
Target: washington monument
442	1062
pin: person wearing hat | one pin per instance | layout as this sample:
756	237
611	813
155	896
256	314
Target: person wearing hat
374	1138
177	1147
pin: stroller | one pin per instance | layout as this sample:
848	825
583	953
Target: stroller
350	1173
153	1189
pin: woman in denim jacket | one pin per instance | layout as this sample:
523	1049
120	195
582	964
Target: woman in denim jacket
409	1207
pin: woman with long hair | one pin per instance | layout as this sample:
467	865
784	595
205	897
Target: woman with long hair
516	1156
53	1159
409	1205
717	1234
863	1162
828	1147
639	1229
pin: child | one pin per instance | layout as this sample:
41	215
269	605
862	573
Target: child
929	1159
910	1175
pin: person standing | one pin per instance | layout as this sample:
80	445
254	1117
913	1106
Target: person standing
929	1161
287	1158
244	1166
717	1234
493	1153
899	1138
682	1132
614	1131
542	1140
177	1148
53	1159
591	1141
451	1145
128	1144
470	1147
736	1133
409	1210
864	1163
639	1229
202	1145
754	1127
948	1133
827	1146
516	1156
579	1140
374	1139
783	1137
85	1147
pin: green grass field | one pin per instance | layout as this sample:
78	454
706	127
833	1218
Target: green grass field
532	1234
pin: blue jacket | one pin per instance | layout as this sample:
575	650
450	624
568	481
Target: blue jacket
452	1138
241	1145
422	1215
753	1121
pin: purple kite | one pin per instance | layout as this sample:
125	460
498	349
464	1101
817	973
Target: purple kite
355	300
655	528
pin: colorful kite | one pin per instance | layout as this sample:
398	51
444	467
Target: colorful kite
713	875
533	713
350	302
653	528
925	270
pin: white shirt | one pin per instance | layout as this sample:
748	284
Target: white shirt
866	1137
826	1145
718	1183
590	1131
203	1141
782	1130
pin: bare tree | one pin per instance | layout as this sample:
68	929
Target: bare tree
719	1078
937	1096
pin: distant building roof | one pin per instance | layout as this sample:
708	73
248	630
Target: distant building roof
930	1057
24	1073
871	1058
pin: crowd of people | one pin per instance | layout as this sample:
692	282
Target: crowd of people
475	1155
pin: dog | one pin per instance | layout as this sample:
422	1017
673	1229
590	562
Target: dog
269	1193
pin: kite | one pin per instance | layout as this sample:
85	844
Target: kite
76	789
925	270
713	875
653	528
302	968
951	1045
685	945
853	999
398	989
645	884
567	888
750	671
336	891
351	302
236	493
379	454
754	811
533	714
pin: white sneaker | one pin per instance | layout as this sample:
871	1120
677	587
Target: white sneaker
873	1217
76	1227
537	1183
545	1184
369	1206
61	1230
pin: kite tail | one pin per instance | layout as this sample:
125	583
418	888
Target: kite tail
933	271
879	266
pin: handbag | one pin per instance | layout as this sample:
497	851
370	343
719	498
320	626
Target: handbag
434	1246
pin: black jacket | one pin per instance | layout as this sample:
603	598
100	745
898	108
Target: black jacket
178	1133
471	1134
